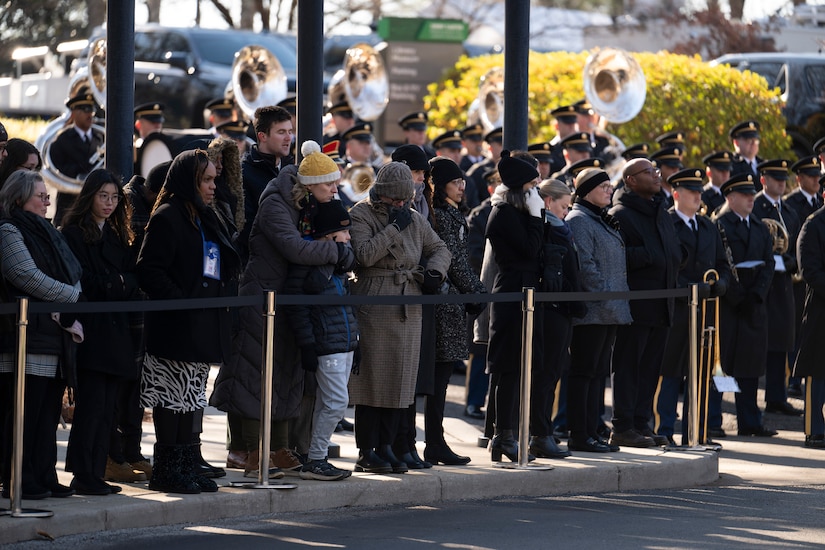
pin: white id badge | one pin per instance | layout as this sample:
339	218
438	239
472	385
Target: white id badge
211	260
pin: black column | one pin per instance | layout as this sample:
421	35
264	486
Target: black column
516	61
310	83
120	86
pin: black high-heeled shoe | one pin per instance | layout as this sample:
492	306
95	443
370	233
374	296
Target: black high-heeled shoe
504	443
444	455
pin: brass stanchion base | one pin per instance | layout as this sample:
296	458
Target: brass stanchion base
696	448
27	513
515	466
256	485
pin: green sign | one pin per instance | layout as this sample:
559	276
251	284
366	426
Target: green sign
422	30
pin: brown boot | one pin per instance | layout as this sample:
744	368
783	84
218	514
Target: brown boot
253	464
144	466
122	473
287	460
237	459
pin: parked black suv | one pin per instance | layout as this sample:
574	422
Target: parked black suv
186	67
801	79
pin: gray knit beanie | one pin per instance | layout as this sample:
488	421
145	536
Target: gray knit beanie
394	181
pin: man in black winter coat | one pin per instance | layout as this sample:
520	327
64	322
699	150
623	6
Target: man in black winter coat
653	257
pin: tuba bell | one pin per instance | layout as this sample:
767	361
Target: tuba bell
614	84
362	82
487	108
258	79
779	235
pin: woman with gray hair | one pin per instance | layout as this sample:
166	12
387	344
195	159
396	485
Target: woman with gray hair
36	263
390	241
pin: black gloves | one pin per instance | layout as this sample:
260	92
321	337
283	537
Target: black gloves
475	309
432	282
346	259
718	289
309	359
790	263
356	360
704	291
400	218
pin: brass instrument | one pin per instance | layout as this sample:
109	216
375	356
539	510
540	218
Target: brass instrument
362	82
258	79
728	252
356	181
779	235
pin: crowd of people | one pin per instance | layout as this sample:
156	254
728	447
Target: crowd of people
230	216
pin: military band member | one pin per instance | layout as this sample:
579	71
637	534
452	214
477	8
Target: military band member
415	131
717	169
702	250
358	143
669	161
221	110
76	149
449	145
543	153
811	255
574	147
473	140
494	139
149	119
745	136
342	119
577	167
768	204
637	151
588	121
236	130
565	124
675	138
819	150
744	335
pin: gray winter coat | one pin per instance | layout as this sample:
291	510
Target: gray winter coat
603	266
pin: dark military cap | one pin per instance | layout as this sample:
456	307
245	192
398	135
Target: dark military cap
341	108
637	151
745	130
221	106
583	107
565	114
809	166
742	183
290	104
448	140
331	149
676	137
473	132
496	135
690	178
819	146
721	160
234	128
594	162
414	121
150	111
361	132
668	156
775	168
4	135
541	151
490	175
84	100
579	141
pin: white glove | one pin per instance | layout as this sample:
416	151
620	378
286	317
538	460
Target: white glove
535	204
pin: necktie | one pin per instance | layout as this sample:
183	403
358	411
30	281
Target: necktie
86	138
692	225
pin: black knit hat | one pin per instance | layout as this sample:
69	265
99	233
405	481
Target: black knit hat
331	216
444	171
515	172
411	155
157	175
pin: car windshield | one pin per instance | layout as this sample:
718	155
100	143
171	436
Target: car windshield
220	47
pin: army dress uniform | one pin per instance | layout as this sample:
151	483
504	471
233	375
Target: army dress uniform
712	196
477	171
743	311
566	114
741	165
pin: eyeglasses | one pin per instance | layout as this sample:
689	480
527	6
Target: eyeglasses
44	197
606	187
652	171
106	197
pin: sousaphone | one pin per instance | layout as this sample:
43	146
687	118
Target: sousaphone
362	82
258	79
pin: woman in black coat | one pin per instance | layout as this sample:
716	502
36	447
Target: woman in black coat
516	232
98	232
186	253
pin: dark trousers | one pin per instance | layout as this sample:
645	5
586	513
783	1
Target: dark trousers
41	413
94	415
478	379
127	429
375	426
545	374
776	390
507	389
637	359
814	400
405	436
173	428
590	350
434	405
748	414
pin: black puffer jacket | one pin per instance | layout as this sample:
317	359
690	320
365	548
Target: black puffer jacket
328	329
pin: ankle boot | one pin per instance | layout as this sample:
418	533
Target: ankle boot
546	447
441	453
190	464
385	453
369	461
414	453
202	467
504	442
168	474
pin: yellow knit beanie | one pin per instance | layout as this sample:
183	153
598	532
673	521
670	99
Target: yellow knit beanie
316	167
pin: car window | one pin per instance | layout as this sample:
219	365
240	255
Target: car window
175	42
769	70
148	47
815	75
221	48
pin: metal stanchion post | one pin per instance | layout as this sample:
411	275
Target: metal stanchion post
266	403
16	489
693	371
528	306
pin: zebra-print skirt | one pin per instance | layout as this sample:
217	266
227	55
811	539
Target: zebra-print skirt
179	386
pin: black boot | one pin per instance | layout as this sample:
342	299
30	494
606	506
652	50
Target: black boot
546	447
414	453
385	453
203	468
190	464
504	442
167	472
370	462
441	453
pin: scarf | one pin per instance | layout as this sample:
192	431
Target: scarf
48	248
611	222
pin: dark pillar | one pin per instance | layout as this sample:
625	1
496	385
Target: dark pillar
120	86
516	61
310	79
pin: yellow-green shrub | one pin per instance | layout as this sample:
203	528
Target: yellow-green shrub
683	93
